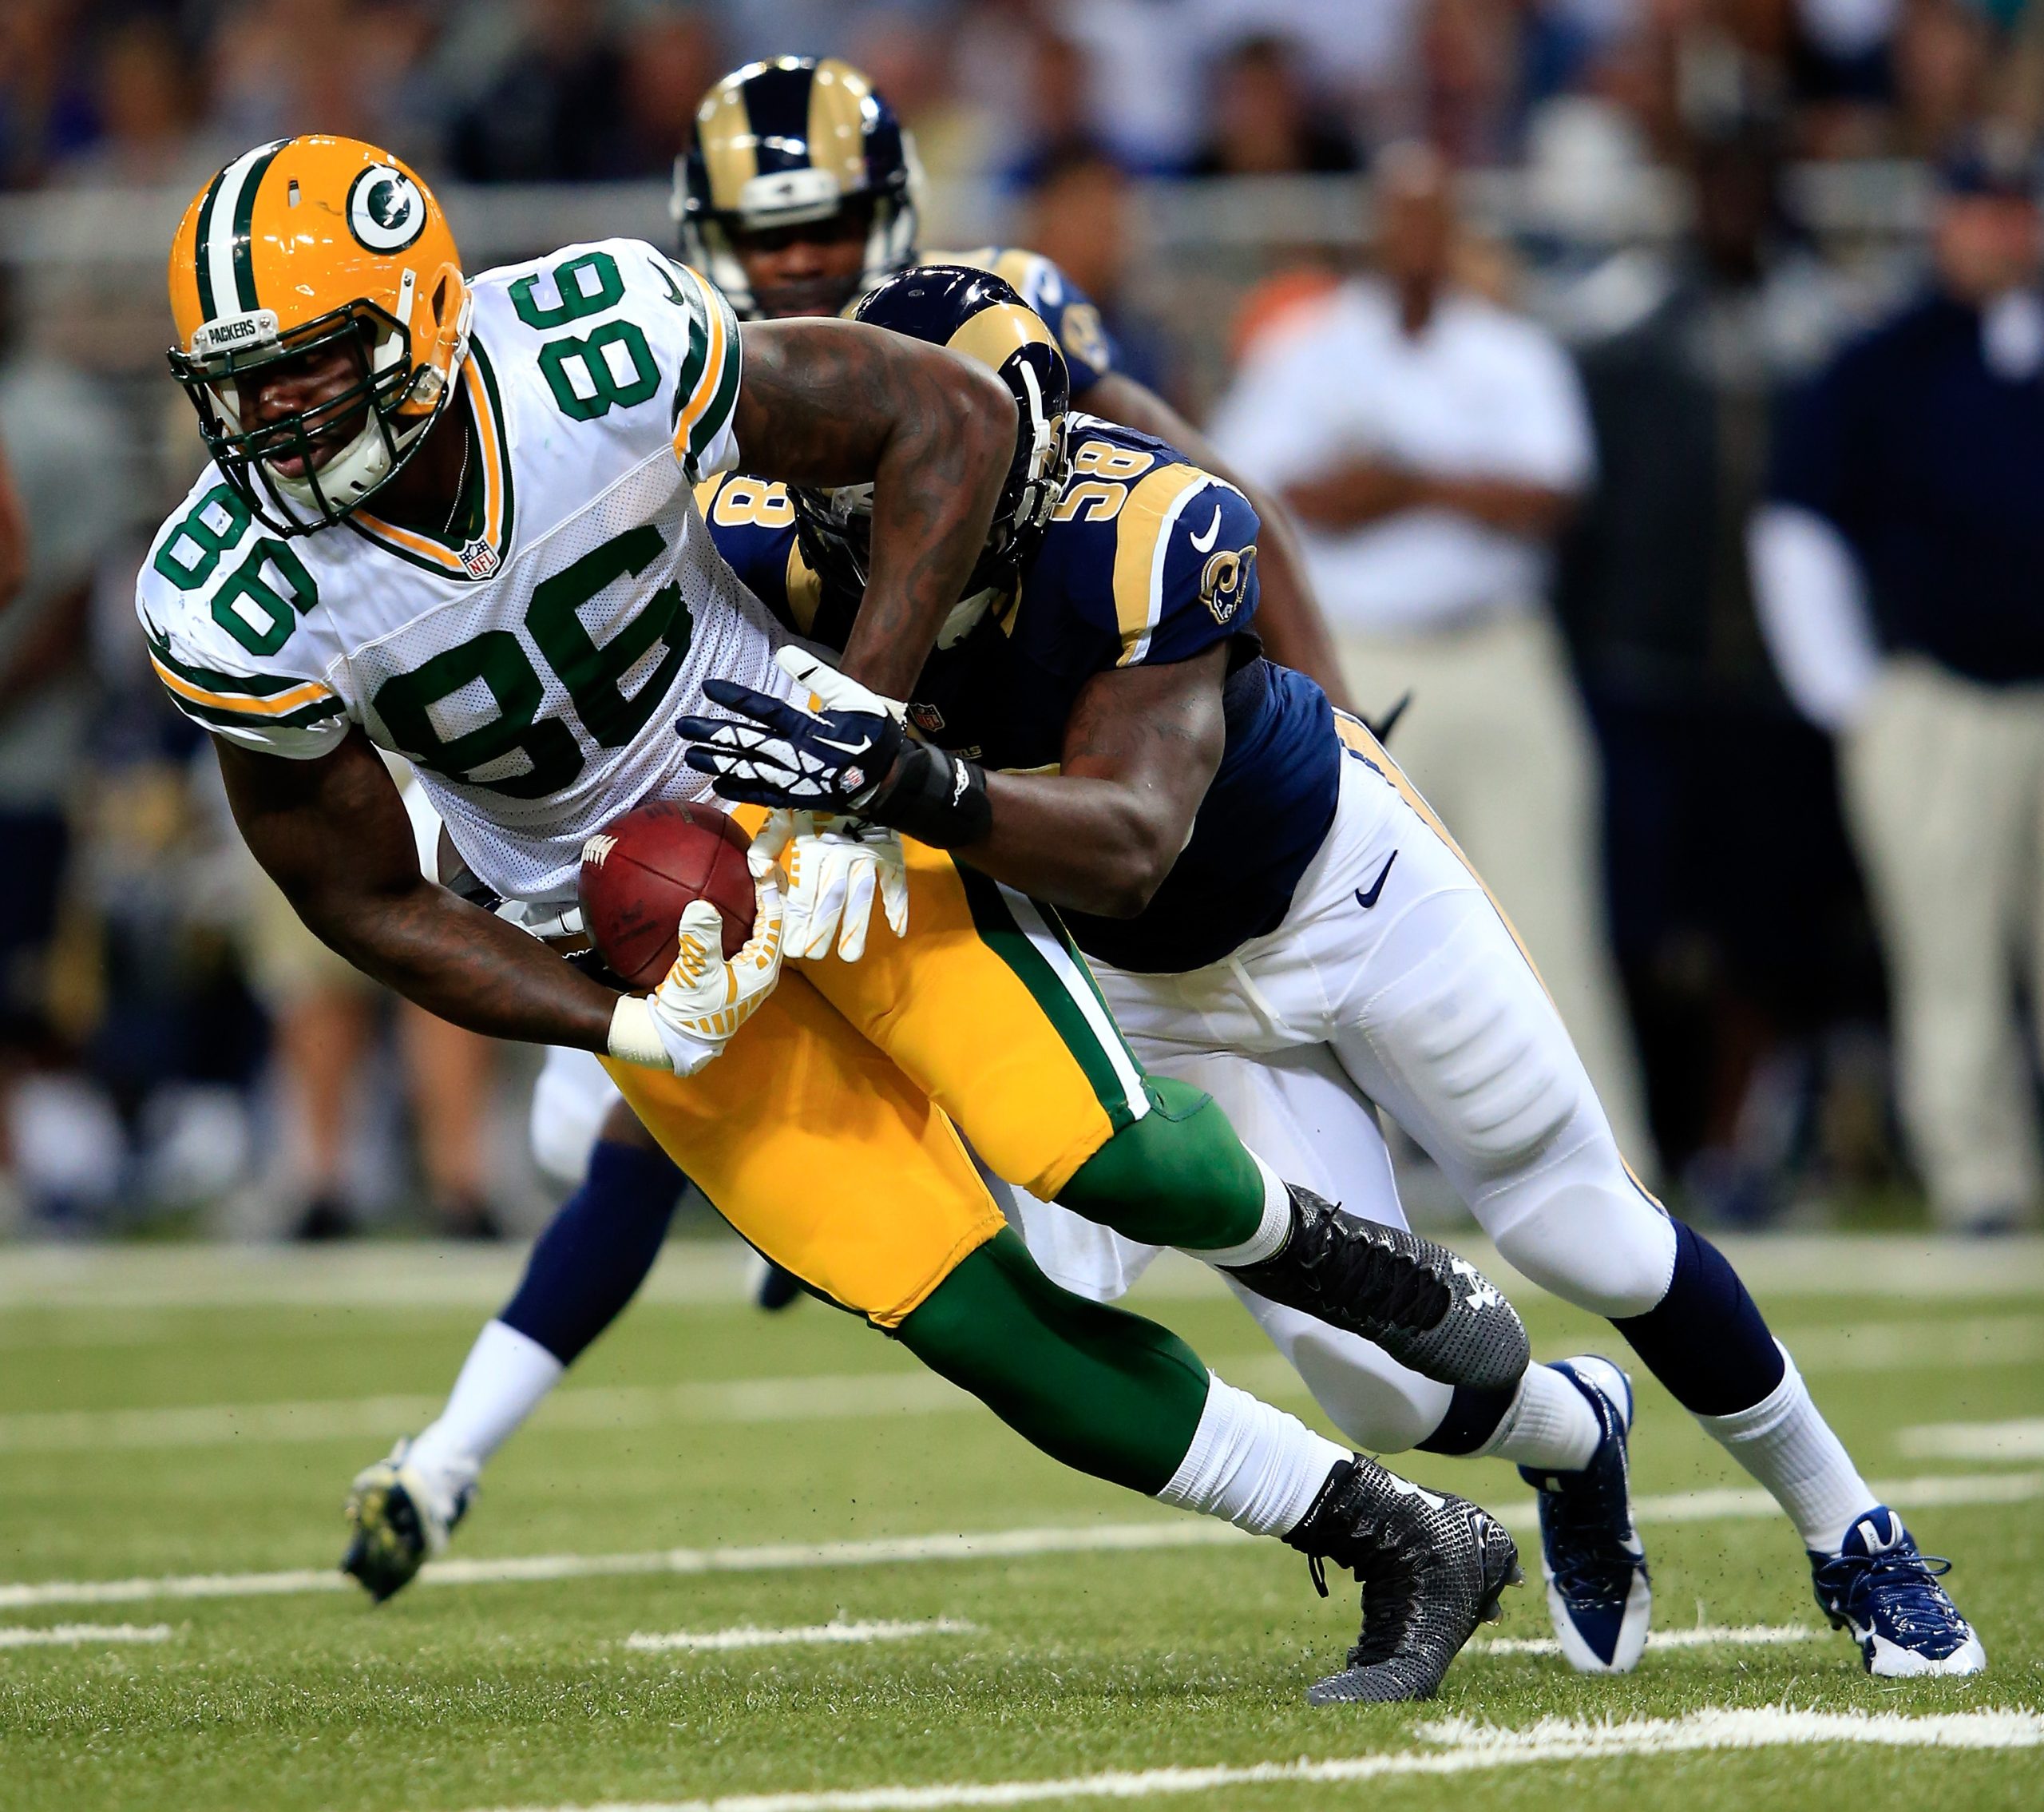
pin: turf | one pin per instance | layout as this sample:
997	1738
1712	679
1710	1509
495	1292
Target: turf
525	1694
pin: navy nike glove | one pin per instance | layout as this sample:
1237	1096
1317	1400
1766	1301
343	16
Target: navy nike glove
775	753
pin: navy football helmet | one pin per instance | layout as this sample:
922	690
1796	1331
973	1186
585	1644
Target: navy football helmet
790	142
983	317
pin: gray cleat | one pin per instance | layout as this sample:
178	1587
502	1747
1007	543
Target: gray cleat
1432	1567
1428	1308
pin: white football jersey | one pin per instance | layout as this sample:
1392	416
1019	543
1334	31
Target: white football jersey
531	663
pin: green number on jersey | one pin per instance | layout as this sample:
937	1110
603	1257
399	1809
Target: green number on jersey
210	542
590	675
575	301
560	359
405	703
248	606
246	591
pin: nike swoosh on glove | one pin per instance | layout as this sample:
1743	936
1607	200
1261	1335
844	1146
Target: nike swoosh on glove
834	868
829	759
705	998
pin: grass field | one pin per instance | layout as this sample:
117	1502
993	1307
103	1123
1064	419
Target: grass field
771	1507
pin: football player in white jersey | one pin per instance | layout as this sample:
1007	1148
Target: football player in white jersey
452	518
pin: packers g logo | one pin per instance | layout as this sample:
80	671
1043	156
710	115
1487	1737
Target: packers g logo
1225	580
386	209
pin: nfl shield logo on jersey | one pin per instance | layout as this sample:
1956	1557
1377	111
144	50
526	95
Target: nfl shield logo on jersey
479	558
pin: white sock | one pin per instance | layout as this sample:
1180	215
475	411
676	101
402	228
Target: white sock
1549	1424
506	1377
1251	1465
1271	1232
1786	1444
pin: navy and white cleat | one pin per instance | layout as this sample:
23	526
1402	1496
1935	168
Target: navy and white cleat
1887	1595
1599	1594
403	1518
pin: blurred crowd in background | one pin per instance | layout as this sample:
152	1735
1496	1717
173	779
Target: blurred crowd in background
1698	204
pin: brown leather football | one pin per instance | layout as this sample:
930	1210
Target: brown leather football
640	870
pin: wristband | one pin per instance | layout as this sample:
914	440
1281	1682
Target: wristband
638	1035
934	796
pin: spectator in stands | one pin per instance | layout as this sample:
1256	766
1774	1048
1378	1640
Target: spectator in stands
1078	215
1726	919
73	495
1263	121
671	57
1433	444
146	103
553	114
1900	563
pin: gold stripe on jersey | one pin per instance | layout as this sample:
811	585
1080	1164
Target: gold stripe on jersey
993	334
804	587
1143	538
277	705
704	397
493	449
838	97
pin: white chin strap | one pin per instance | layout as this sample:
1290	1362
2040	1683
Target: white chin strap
351	475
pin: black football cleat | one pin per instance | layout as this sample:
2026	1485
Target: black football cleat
1432	1567
401	1519
1428	1308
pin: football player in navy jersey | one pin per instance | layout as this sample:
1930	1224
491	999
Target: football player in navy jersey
1275	914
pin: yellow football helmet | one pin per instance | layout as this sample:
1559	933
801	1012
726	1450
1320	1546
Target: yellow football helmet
302	248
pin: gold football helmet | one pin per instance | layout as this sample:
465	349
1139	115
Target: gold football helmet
307	247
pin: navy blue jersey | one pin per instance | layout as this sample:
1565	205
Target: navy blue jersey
1146	559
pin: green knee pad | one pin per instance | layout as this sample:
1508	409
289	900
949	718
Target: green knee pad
1179	1176
1099	1389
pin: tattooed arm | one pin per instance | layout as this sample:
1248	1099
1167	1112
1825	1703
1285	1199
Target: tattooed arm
332	834
1288	617
833	403
1140	751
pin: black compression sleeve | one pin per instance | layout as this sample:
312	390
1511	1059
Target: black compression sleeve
936	797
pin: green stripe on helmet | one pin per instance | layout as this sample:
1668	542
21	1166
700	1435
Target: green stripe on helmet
244	260
206	310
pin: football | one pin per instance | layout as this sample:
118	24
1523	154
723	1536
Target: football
640	870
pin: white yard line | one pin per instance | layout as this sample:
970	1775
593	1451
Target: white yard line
1725	1506
1703	1635
1459	1747
72	1635
746	1635
2021	1439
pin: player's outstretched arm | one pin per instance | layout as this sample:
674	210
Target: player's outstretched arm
1288	616
834	402
1141	748
332	834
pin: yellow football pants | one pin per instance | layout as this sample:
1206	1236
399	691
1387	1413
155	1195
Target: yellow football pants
828	1131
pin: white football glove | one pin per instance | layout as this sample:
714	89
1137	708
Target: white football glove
832	690
686	1021
835	868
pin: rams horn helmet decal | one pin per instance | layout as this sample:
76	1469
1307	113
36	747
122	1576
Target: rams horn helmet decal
385	210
